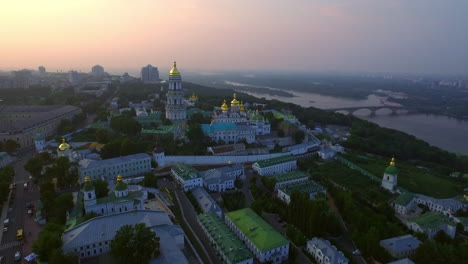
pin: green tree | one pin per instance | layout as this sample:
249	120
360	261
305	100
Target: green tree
125	124
100	188
150	180
11	146
65	127
50	239
135	244
299	136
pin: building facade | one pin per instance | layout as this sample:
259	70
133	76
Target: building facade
229	132
276	165
310	188
431	223
175	104
289	177
130	165
324	252
261	239
186	176
97	71
149	74
206	202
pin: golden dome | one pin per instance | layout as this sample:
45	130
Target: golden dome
174	70
193	97
234	101
119	178
224	107
64	145
87	179
392	162
241	107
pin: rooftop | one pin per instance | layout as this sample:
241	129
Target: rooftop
184	171
400	244
404	198
431	220
162	129
111	198
113	161
303	187
275	161
206	202
287	176
233	248
208	129
327	249
262	235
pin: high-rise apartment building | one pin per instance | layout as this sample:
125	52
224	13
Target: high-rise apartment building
149	74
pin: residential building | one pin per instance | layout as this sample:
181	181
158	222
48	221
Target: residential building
229	132
308	187
216	181
94	237
289	177
403	203
22	79
73	77
206	202
97	71
120	200
431	223
5	159
22	123
324	252
261	239
230	249
186	176
276	165
149	74
175	105
401	246
227	150
106	169
41	70
390	177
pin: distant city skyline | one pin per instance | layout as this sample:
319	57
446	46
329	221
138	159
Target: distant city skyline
399	36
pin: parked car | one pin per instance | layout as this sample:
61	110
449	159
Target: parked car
1	259
5	229
6	222
17	256
356	252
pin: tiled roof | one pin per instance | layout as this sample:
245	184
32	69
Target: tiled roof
275	161
233	248
259	232
303	187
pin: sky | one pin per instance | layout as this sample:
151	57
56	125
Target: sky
400	36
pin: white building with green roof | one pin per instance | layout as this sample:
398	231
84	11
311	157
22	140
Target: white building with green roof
403	203
186	176
390	177
431	223
308	187
227	245
276	165
262	239
289	177
118	201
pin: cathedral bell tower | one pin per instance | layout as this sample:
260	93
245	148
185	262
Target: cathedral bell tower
390	177
175	105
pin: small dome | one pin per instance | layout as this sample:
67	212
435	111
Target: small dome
120	186
241	107
391	169
174	70
234	101
224	107
64	145
88	186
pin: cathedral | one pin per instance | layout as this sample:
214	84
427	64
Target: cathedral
390	177
175	105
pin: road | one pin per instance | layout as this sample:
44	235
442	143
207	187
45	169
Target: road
19	219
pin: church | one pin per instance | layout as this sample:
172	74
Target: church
120	200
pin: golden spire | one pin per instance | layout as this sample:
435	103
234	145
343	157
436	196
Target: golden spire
234	101
64	145
224	107
119	178
174	70
241	107
87	179
392	162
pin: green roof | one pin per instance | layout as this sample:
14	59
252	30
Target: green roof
88	187
284	116
120	186
259	232
161	130
192	111
111	198
303	187
404	198
275	161
287	176
186	172
431	220
231	246
391	170
151	118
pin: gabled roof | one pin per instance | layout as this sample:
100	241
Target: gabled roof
274	161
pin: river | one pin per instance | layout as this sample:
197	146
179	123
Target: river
441	131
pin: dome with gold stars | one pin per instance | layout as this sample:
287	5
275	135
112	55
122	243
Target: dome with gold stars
234	101
174	70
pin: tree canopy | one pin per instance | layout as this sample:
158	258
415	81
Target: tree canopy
135	244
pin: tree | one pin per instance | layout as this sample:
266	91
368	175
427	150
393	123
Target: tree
34	166
49	240
125	124
299	136
280	133
65	127
100	188
135	244
150	180
11	146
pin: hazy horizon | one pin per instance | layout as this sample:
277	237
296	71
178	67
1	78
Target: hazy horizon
399	36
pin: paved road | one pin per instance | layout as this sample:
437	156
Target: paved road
18	217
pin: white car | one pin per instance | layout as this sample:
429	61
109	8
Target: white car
5	229
17	256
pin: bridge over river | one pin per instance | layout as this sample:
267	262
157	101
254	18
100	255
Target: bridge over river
395	110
